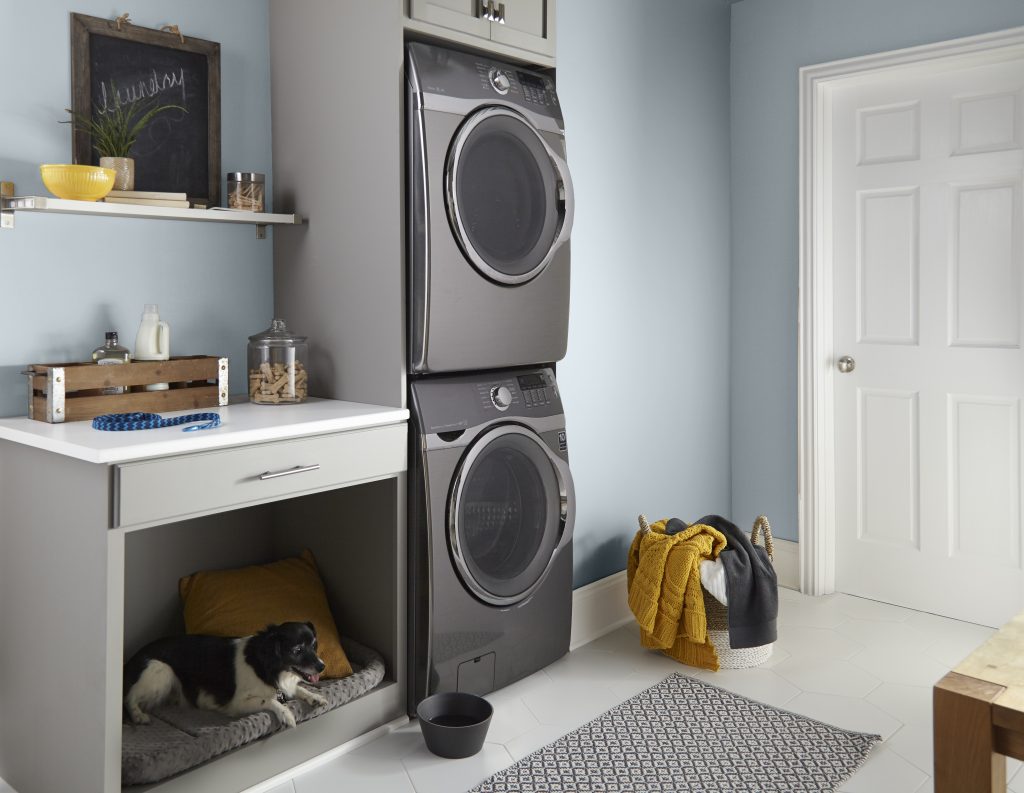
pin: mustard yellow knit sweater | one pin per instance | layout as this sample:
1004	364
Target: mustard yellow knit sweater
665	596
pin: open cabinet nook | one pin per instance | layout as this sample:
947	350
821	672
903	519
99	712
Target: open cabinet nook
93	557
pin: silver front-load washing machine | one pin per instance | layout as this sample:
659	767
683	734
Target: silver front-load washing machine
490	527
490	208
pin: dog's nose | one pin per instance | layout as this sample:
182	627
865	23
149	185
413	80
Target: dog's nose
320	665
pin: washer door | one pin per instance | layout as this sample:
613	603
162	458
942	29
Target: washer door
510	512
509	196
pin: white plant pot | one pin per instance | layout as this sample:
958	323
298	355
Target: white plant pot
124	171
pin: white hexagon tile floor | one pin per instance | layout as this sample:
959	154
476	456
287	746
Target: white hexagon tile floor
848	661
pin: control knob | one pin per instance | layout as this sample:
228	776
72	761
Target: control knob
501	397
499	80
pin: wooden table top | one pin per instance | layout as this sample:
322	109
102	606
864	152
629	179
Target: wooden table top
1000	660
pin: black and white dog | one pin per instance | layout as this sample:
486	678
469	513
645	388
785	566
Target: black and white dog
233	676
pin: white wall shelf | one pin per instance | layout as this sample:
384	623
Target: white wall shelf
61	206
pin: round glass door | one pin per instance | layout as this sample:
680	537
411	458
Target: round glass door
508	196
506	515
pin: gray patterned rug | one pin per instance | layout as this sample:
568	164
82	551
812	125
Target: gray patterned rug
685	735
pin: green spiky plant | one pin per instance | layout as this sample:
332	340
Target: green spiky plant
114	132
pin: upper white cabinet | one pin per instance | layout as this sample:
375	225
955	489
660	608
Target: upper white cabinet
519	29
465	16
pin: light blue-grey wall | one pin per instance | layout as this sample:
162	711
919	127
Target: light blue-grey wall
645	92
67	279
771	39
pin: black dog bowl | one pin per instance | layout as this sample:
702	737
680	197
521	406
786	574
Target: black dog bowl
454	724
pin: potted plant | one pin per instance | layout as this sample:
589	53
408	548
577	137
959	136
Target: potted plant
114	131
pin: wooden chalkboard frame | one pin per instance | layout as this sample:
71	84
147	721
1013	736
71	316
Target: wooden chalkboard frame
84	27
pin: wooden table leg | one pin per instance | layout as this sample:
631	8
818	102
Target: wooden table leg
965	760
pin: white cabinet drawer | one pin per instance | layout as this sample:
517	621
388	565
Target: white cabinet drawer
173	488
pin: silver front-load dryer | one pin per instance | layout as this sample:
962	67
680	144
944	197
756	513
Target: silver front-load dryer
491	513
490	208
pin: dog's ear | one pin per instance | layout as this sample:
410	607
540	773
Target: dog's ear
312	627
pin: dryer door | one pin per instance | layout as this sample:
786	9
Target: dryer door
509	196
510	512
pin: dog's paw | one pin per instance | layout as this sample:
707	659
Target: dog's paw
316	699
287	717
138	717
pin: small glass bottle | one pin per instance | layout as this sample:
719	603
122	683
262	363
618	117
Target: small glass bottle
112	353
277	366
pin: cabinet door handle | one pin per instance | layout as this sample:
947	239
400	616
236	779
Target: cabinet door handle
501	13
299	469
487	10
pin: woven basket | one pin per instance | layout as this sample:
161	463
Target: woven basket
718	615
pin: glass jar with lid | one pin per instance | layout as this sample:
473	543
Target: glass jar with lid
277	366
245	190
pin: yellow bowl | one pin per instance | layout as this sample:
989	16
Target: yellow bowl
77	182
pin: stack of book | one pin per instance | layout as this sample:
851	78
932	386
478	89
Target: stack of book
147	198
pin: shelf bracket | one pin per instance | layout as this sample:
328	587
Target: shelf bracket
6	213
261	231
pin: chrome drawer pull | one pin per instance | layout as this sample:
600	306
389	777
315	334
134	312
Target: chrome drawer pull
299	469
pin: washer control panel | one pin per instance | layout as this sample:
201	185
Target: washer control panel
501	397
526	393
456	402
538	388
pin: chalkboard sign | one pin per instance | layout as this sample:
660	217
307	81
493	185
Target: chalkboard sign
178	152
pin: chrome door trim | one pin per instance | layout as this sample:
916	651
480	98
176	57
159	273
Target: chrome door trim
565	196
458	106
418	139
432	441
567	511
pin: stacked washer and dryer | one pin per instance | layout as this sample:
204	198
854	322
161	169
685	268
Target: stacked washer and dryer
491	504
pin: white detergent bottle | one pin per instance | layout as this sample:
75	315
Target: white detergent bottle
153	341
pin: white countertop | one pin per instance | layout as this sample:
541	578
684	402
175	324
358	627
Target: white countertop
241	423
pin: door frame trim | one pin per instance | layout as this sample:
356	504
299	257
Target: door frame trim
816	464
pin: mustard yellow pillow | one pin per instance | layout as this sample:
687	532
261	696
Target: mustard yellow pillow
243	601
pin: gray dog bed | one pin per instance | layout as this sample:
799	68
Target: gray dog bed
180	738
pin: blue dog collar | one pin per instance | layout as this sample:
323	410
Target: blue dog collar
123	422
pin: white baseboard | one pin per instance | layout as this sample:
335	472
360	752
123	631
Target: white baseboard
274	783
787	563
600	607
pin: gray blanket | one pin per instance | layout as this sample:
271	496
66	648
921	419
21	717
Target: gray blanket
751	585
180	738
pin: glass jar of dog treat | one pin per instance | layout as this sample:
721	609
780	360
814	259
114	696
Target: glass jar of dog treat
277	366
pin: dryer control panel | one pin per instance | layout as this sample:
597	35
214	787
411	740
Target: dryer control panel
450	73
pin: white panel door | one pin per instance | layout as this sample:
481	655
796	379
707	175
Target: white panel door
927	245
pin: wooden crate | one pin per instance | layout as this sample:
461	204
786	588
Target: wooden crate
74	391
